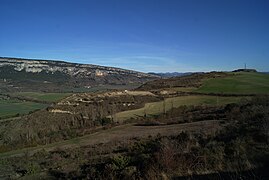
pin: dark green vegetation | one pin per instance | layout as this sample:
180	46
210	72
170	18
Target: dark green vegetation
168	128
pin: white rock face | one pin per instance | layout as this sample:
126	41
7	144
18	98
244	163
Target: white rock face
60	111
31	67
28	66
81	70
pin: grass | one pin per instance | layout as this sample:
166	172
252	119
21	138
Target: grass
9	108
240	83
48	97
158	107
12	107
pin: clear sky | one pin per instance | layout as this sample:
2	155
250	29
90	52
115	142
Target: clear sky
143	35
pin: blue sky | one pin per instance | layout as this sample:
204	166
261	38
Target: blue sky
143	35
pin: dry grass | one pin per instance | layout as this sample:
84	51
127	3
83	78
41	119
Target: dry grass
122	133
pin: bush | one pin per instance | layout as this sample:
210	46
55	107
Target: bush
33	168
120	162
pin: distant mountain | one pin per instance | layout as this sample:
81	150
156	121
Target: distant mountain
171	74
45	75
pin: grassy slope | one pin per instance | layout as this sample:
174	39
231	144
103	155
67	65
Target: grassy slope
13	107
243	83
158	107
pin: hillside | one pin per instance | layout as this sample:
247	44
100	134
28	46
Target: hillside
234	145
95	127
72	116
214	82
57	76
240	83
194	80
82	112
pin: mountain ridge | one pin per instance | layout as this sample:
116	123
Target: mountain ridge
18	73
69	63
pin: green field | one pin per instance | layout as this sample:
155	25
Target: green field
12	107
48	97
158	107
240	83
9	108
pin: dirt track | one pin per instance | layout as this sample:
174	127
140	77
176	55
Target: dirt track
121	133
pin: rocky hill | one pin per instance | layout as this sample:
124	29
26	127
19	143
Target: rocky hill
72	116
46	75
